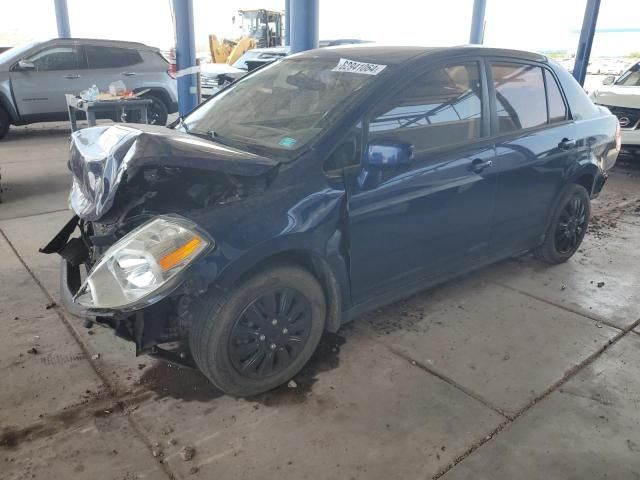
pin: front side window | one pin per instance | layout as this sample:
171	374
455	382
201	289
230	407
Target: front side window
520	96
57	58
439	108
111	57
283	107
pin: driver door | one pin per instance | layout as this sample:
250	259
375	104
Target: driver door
414	222
57	70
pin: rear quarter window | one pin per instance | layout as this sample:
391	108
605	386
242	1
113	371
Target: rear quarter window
580	106
557	108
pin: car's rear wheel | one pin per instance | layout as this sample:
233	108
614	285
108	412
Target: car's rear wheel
260	334
157	112
568	226
4	123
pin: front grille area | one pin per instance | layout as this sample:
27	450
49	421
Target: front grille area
629	117
209	81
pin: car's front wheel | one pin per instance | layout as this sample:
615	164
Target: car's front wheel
260	334
568	226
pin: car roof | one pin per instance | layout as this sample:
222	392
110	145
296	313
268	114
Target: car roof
396	55
104	42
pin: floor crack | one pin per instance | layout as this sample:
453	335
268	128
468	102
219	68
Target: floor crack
566	377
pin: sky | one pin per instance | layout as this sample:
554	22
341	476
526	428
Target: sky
540	25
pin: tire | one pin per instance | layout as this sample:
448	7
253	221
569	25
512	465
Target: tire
157	112
4	123
239	349
567	228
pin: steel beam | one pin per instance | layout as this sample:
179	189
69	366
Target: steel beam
185	56
477	22
62	18
287	22
304	21
586	40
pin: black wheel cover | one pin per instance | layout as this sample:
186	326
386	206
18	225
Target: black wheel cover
270	333
571	226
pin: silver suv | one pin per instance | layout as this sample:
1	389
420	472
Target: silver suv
35	77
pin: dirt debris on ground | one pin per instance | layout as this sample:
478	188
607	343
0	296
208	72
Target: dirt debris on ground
325	358
187	453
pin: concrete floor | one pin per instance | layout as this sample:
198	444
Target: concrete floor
519	371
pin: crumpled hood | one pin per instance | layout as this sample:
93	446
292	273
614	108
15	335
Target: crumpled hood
617	96
101	155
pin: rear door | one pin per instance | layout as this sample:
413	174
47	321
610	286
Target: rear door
59	69
434	215
534	149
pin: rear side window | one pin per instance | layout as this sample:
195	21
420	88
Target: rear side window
57	58
557	107
520	96
111	57
439	108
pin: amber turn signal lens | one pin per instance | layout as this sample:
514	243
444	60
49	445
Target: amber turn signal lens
174	258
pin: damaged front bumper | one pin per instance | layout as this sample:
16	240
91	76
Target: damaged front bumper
139	258
166	319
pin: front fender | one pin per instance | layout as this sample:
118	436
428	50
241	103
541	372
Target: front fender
5	101
310	232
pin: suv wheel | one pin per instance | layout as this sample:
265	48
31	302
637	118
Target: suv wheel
261	333
568	226
4	123
157	112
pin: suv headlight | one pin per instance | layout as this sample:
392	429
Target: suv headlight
142	262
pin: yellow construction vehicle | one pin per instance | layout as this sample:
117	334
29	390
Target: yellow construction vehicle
260	28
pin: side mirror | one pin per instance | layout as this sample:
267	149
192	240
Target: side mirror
26	65
388	154
608	80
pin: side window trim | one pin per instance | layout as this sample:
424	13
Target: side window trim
492	96
485	131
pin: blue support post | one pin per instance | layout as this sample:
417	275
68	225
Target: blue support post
185	56
304	21
477	22
586	40
287	22
62	18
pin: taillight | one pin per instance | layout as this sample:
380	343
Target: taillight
172	70
618	136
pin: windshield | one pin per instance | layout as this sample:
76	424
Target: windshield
630	78
283	107
15	52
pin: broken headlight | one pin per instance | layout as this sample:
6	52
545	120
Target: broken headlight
142	262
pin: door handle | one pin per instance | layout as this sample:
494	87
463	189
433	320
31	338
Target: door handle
478	165
72	76
128	74
567	144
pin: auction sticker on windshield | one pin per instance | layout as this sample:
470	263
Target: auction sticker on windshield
287	142
351	66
